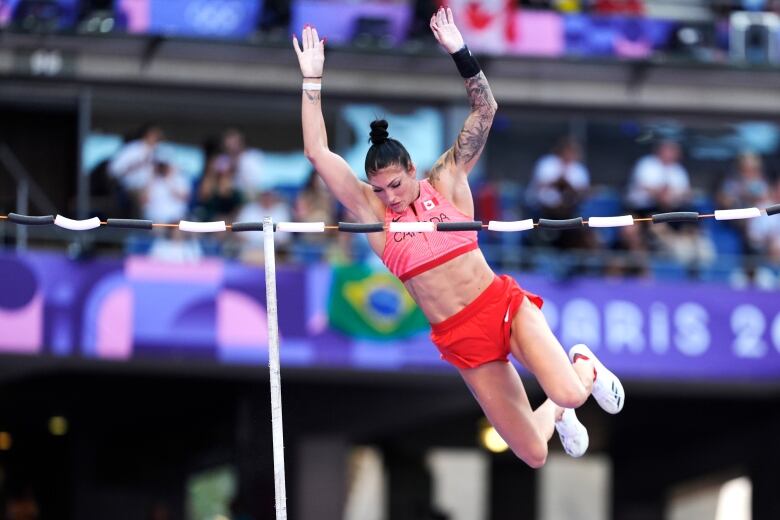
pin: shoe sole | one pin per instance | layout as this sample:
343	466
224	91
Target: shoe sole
582	432
583	350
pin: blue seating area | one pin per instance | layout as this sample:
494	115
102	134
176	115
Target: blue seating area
604	202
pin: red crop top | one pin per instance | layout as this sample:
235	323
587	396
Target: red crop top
412	253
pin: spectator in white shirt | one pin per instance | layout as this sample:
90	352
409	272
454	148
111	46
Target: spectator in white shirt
560	181
166	195
133	165
659	182
559	184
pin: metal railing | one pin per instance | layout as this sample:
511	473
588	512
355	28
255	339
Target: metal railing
27	190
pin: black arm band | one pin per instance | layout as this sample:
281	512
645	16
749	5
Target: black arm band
466	63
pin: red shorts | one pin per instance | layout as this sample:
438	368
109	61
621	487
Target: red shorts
479	333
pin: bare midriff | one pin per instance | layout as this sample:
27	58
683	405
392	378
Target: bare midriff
448	288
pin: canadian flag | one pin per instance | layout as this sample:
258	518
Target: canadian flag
487	25
430	204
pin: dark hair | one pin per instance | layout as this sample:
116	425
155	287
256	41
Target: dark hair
564	143
384	151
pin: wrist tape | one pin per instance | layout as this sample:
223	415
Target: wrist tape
466	63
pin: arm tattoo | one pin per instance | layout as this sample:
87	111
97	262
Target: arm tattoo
480	95
474	134
312	95
441	165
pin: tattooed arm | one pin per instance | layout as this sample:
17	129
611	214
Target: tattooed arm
471	139
333	169
462	157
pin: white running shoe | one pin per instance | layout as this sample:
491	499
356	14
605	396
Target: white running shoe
574	436
607	388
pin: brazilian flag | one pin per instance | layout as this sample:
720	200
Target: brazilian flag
368	303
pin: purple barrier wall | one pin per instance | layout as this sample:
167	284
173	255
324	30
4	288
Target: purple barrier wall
360	318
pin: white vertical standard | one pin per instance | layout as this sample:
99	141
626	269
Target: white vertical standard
273	365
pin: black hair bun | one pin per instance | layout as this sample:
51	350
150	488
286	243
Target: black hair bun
379	133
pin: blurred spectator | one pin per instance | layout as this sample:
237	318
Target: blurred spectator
245	165
165	197
133	165
686	245
314	204
659	182
172	245
218	195
265	204
559	184
764	232
632	257
560	181
745	188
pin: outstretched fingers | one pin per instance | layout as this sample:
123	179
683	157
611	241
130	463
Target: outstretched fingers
434	27
450	18
296	45
315	38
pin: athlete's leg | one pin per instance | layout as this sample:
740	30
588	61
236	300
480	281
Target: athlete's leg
500	393
536	347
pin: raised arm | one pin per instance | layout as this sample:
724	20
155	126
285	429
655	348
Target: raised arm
464	154
334	170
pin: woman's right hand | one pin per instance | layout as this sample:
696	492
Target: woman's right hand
311	57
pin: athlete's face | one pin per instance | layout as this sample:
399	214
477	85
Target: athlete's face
395	186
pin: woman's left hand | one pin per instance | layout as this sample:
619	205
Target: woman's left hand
311	57
445	31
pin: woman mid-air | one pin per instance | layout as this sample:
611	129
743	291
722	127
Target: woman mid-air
477	318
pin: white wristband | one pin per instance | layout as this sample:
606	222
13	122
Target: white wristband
312	86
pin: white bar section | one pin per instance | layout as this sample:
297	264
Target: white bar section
202	227
301	227
734	214
515	225
275	372
622	220
76	225
412	227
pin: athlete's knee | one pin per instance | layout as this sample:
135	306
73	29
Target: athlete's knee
537	460
535	456
570	396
